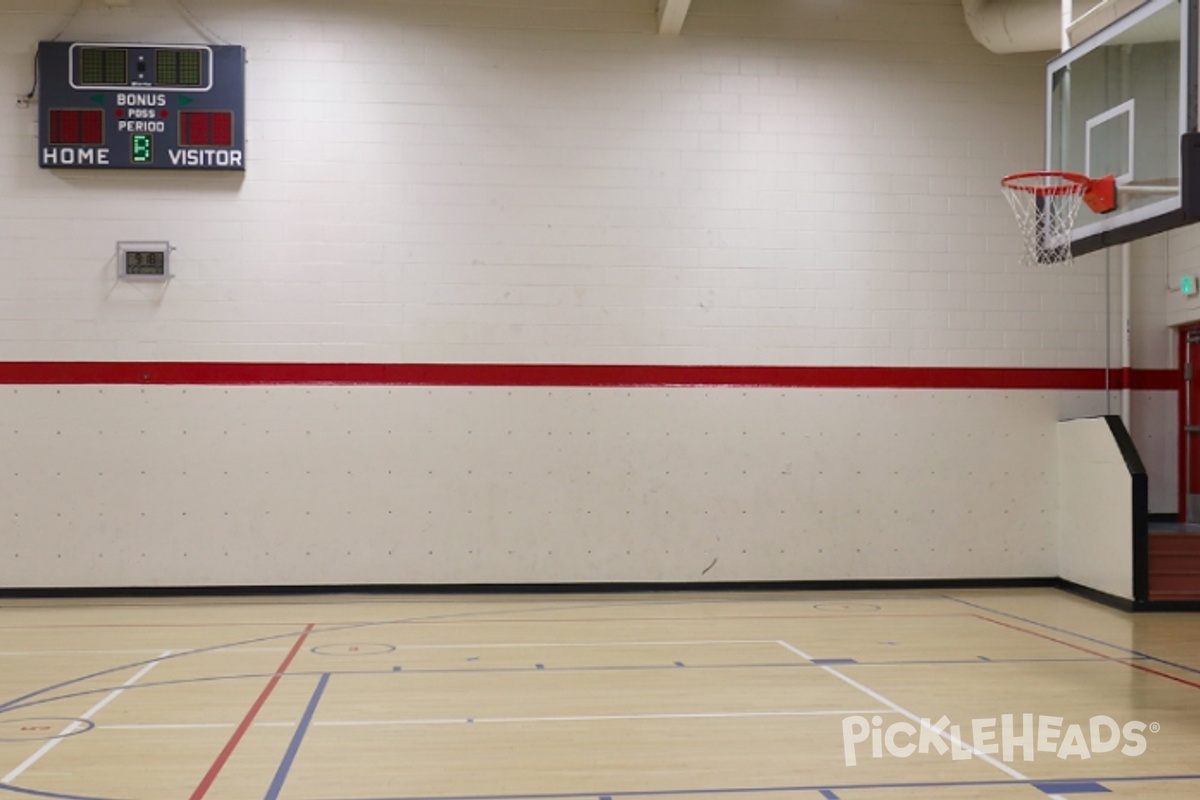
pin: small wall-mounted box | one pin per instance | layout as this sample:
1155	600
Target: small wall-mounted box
144	261
1188	286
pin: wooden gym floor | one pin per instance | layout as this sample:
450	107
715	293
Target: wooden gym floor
675	695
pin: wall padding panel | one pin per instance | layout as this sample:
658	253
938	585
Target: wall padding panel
190	486
1096	509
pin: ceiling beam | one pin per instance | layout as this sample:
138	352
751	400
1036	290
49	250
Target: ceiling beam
671	14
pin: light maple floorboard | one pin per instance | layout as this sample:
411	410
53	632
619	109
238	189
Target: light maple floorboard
659	695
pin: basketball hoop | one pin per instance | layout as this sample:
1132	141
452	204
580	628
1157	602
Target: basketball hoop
1046	204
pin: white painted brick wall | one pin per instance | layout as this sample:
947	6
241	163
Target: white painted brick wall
1151	345
785	183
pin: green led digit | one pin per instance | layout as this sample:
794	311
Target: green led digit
176	67
142	149
103	66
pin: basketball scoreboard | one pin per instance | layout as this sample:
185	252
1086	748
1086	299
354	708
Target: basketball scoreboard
141	106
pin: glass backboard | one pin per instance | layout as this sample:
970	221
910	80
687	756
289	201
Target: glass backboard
1122	103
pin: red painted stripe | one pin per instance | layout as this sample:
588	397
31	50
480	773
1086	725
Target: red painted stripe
209	777
583	375
1130	664
1152	380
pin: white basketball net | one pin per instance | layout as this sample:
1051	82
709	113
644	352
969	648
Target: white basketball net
1045	206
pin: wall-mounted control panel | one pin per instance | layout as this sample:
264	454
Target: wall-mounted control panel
146	261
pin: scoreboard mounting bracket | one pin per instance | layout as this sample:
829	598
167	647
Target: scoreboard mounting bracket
141	106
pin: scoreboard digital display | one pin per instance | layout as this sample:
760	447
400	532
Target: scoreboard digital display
141	106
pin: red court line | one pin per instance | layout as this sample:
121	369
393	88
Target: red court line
580	375
139	625
1104	656
731	618
213	771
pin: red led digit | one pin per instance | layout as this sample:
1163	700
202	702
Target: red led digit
68	127
93	127
222	129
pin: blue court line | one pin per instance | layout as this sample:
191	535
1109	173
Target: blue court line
542	668
820	787
289	757
918	662
1077	635
1070	787
980	661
